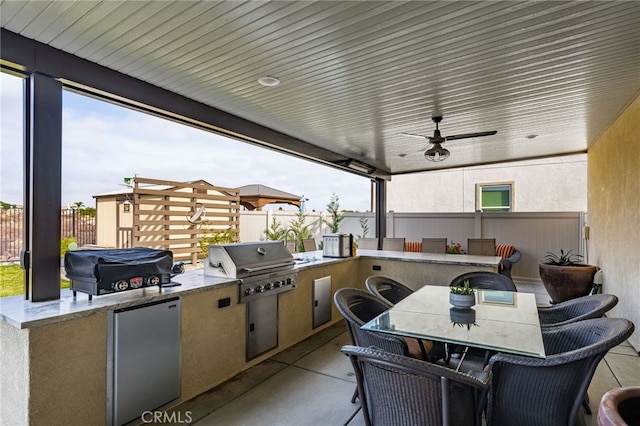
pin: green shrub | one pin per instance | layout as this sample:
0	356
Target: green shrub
213	236
64	244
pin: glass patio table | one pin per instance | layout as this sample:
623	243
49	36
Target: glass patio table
501	321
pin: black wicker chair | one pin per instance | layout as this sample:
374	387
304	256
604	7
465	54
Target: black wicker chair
387	289
485	280
358	307
404	391
578	309
550	391
391	292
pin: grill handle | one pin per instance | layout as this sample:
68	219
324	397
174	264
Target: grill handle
264	268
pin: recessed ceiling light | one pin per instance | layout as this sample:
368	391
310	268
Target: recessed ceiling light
532	136
269	81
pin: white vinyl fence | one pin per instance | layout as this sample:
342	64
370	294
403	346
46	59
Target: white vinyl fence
534	234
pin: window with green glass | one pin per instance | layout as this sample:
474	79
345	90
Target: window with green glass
496	198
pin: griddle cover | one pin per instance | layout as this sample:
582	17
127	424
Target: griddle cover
115	264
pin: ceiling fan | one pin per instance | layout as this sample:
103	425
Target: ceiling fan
437	152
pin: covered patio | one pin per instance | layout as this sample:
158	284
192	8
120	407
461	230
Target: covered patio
551	79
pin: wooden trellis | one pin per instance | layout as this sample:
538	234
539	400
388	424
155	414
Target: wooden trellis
175	215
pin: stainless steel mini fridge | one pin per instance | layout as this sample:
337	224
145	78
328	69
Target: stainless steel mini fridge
143	360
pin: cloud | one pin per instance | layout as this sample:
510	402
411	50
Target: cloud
103	143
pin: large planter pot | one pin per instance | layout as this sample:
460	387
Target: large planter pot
567	282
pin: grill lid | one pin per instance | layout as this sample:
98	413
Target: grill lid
242	260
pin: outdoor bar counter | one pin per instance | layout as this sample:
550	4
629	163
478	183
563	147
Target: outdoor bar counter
54	354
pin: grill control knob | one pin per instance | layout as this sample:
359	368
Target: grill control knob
259	289
277	284
268	286
248	291
289	280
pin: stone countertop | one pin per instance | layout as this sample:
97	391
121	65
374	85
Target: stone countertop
21	313
450	259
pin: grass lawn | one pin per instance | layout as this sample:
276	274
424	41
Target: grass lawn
12	280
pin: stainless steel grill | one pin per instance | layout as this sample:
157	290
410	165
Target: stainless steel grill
266	270
265	267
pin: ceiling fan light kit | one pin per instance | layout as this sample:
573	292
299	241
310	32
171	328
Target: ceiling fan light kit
437	153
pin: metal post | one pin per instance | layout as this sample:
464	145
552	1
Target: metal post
381	210
43	175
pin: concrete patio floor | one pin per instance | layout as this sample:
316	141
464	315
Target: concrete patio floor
312	383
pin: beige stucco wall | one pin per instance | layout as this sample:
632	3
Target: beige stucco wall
614	212
14	375
546	185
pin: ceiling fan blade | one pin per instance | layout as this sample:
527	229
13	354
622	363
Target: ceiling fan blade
414	135
470	135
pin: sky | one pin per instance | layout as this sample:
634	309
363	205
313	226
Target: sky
103	143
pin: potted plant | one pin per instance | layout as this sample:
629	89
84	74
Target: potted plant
565	276
454	248
462	296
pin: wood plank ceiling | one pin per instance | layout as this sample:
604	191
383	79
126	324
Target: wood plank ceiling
355	75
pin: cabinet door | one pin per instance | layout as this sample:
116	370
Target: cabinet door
321	301
262	325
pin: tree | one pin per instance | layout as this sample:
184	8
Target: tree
364	226
275	232
300	230
7	206
333	208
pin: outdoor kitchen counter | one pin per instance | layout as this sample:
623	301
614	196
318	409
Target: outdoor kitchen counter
417	269
21	313
436	258
24	314
39	340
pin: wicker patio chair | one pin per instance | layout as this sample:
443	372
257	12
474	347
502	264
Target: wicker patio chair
578	309
550	391
485	280
387	289
358	307
403	391
391	292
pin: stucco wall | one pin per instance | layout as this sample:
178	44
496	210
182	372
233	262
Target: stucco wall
14	375
546	185
614	212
